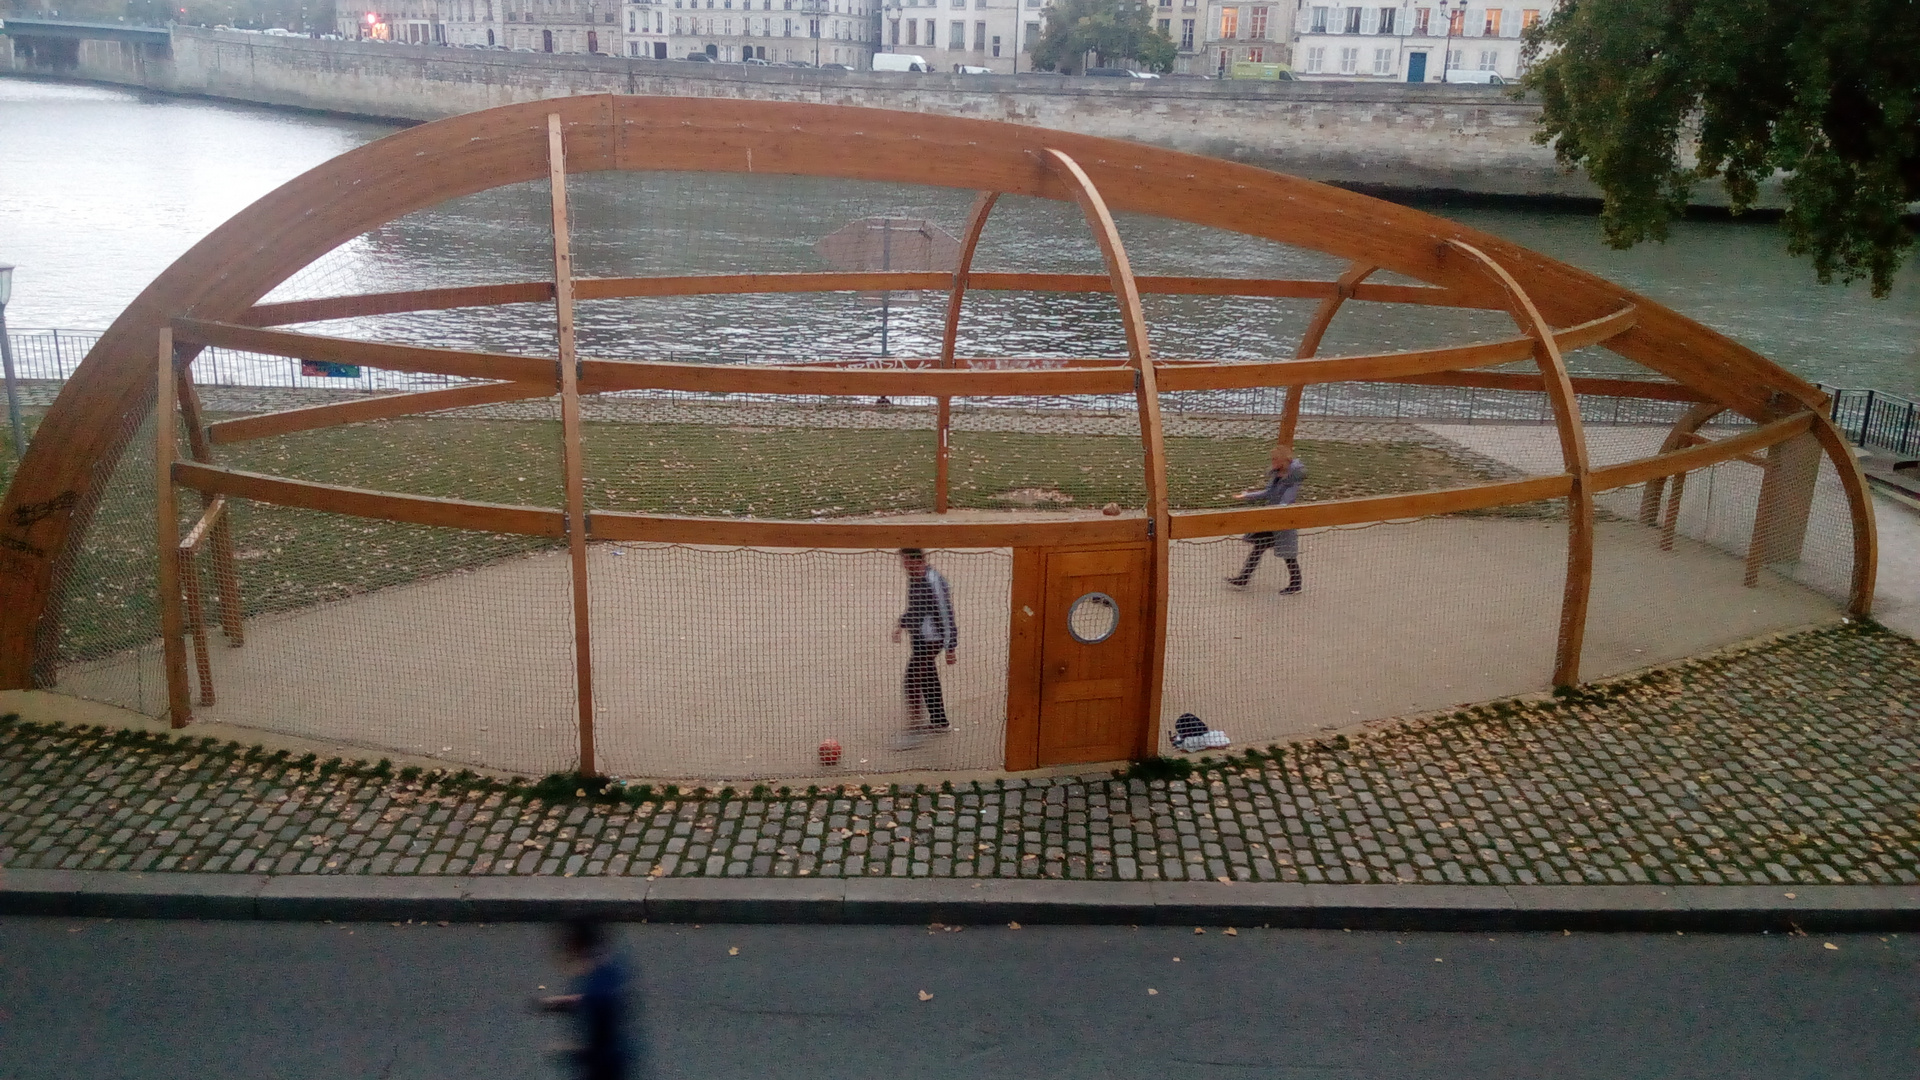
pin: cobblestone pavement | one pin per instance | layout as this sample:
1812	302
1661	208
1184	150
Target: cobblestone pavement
1795	760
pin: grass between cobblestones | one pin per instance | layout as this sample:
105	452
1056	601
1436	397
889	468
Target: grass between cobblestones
1795	760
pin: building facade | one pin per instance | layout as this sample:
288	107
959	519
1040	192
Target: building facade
559	26
1412	41
997	35
812	32
1229	32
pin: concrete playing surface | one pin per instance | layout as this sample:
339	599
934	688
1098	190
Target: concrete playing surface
735	664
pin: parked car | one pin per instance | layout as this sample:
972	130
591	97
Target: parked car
969	69
899	62
835	67
700	58
754	61
1481	78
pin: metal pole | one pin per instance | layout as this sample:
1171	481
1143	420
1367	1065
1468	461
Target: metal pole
1866	417
886	265
13	396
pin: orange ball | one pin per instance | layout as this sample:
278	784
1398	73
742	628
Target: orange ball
830	752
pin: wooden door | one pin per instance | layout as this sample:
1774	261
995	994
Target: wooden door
1093	624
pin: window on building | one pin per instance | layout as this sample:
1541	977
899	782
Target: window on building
996	44
1257	23
1254	56
979	37
1352	23
913	31
1317	20
1489	60
1316	57
1457	23
1229	23
893	32
1186	34
1033	35
1165	26
932	37
1528	17
1349	61
957	36
1492	26
1386	20
1369	20
1457	58
1422	18
1383	61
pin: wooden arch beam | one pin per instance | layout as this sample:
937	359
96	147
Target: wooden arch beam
950	337
1310	342
1146	394
1573	454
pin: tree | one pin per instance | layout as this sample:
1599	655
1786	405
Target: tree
1113	30
1827	92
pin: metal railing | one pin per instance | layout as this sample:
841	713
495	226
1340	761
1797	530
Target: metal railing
1870	418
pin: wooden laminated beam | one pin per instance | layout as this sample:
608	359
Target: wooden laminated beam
602	376
1377	367
1866	531
173	646
573	463
385	407
1585	385
1000	531
1200	524
1678	437
460	363
1700	455
1310	344
394	303
950	337
1147	398
366	503
1573	454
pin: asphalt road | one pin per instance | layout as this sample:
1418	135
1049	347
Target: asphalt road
105	999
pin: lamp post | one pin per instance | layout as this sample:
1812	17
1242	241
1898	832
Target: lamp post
6	360
1446	50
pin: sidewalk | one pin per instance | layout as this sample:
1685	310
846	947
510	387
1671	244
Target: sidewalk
1789	762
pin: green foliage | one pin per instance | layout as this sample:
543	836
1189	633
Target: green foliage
1828	93
1114	31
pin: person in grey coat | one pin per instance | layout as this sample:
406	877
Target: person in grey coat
930	627
1283	487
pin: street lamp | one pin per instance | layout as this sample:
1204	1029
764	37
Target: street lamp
1446	50
6	359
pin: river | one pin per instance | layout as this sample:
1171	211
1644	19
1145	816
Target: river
100	189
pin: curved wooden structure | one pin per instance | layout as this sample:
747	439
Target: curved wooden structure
210	297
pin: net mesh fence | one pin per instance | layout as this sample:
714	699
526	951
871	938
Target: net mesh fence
717	661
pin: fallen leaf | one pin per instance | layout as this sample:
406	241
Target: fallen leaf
1013	926
1197	930
924	996
1790	896
1151	991
1231	932
734	951
1437	960
1224	879
1831	945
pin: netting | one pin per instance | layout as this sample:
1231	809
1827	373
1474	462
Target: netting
1391	618
743	662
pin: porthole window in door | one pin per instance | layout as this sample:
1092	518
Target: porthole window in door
1093	618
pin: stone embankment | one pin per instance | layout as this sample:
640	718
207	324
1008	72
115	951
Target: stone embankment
1385	135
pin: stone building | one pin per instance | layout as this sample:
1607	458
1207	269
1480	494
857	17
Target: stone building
1230	31
997	35
810	32
1412	40
557	26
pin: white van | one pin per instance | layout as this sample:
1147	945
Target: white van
899	62
1484	78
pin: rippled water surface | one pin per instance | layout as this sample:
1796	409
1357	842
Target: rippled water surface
100	189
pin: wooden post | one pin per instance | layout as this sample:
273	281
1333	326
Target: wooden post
226	569
1786	505
1147	397
196	620
1310	342
1573	452
167	520
976	222
1671	523
570	437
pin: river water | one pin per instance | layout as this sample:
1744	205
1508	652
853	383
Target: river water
101	189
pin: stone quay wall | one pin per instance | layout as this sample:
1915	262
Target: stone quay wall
1393	136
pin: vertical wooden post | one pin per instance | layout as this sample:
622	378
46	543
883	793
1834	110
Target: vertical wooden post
226	569
1147	398
976	222
1786	505
173	644
1310	342
196	622
1671	523
1573	452
571	454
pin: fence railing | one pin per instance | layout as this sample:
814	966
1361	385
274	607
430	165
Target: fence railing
1870	418
1878	420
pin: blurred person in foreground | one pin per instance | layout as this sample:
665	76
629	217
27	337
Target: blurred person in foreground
599	1005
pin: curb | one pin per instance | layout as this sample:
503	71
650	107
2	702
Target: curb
892	901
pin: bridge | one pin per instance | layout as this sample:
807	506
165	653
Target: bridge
54	44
